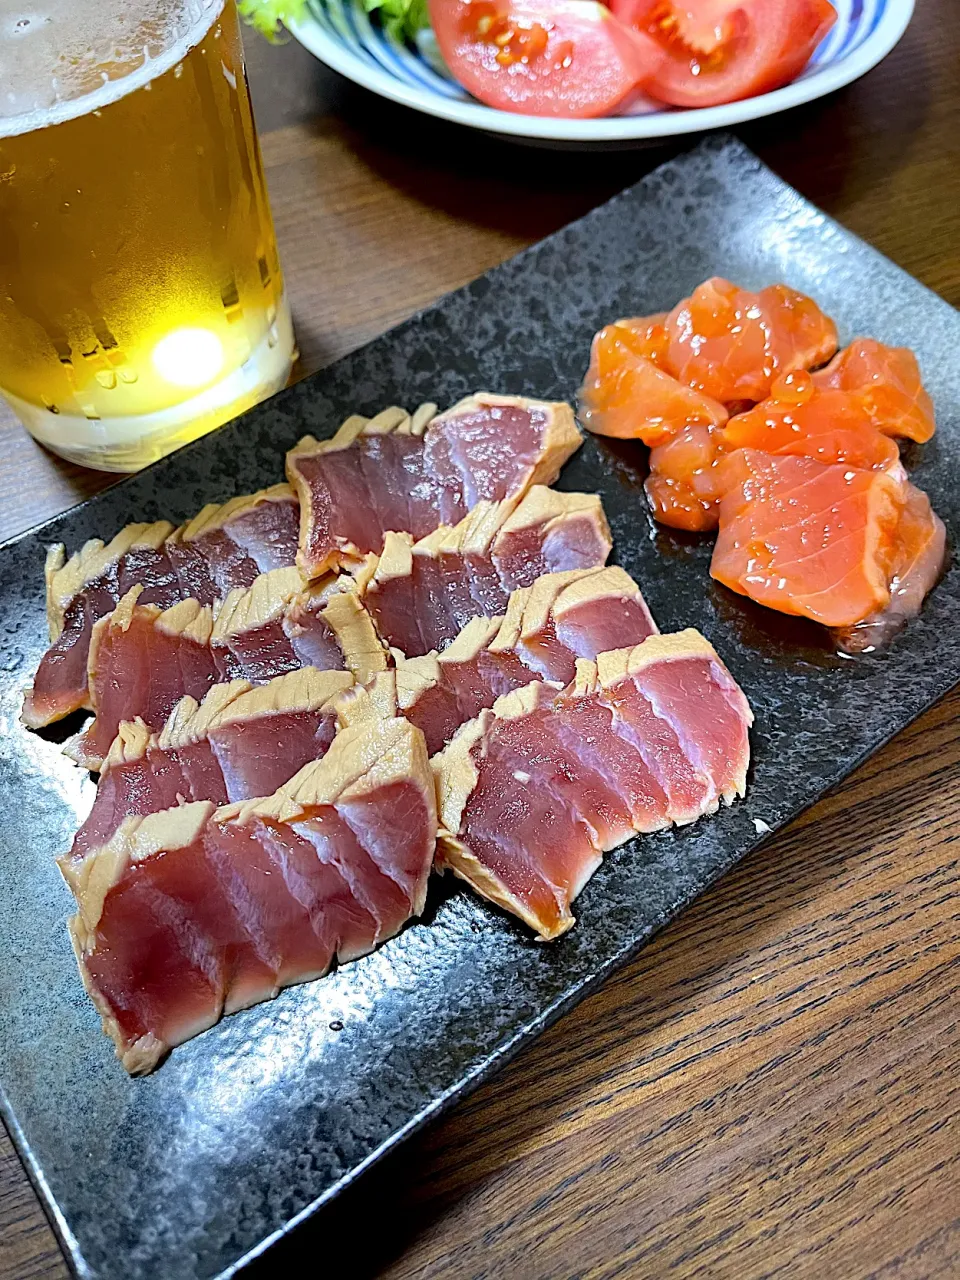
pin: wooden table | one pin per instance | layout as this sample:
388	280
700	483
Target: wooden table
773	1087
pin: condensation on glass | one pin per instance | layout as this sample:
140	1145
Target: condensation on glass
141	298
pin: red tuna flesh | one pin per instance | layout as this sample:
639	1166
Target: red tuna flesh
409	475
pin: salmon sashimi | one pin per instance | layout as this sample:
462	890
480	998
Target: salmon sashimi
535	790
193	912
683	486
731	344
804	418
889	383
625	394
807	538
919	557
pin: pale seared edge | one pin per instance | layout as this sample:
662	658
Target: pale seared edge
65	579
131	743
363	651
456	776
548	507
391	419
561	438
479	531
456	772
216	515
360	761
375	700
333	598
237	700
264	602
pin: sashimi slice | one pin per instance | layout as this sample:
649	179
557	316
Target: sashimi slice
142	661
919	556
193	912
808	539
545	629
534	791
625	394
577	614
221	548
421	595
488	448
806	419
686	686
227	546
238	743
888	381
84	589
551	532
281	624
731	344
131	783
683	486
397	474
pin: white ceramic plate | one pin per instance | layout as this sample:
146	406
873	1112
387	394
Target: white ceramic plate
341	35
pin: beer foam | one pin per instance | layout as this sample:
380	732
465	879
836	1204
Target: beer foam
60	59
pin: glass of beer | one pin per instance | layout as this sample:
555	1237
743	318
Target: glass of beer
141	299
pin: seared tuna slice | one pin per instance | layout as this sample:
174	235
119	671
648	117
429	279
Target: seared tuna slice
84	589
281	624
422	594
194	912
547	627
222	548
142	661
534	791
228	546
238	743
409	475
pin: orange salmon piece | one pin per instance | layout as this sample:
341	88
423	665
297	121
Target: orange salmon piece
804	419
809	539
731	344
683	486
889	385
919	557
626	395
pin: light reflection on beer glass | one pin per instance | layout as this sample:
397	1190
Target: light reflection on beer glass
141	298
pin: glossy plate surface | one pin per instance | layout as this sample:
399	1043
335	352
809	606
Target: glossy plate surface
341	34
250	1125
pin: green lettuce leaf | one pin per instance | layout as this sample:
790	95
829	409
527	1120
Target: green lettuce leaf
401	18
267	15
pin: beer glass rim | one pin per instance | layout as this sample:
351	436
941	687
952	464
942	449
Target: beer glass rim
114	90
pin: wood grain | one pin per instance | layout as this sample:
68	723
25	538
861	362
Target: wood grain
771	1087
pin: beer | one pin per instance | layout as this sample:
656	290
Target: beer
141	298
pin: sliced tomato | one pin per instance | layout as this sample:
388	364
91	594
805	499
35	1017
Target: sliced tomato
723	50
568	58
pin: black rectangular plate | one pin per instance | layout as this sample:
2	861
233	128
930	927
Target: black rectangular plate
247	1127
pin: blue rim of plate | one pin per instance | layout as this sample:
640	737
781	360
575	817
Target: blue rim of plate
341	34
